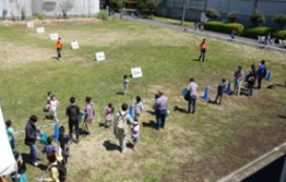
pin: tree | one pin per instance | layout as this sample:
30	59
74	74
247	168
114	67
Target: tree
257	17
232	16
150	4
280	20
212	14
66	6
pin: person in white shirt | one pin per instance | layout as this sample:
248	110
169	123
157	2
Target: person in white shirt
138	107
54	104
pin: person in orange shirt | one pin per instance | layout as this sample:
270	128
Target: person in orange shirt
203	47
59	46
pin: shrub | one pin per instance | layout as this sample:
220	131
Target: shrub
232	16
281	34
212	14
116	4
255	31
102	15
151	17
224	27
280	20
23	14
40	16
257	17
151	5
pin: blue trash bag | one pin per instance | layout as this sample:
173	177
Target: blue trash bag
80	117
43	138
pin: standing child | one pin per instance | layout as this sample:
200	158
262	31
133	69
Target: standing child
220	90
54	104
138	107
49	99
49	148
64	144
125	83
135	135
20	175
10	134
108	115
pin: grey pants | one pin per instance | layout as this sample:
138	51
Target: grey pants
122	139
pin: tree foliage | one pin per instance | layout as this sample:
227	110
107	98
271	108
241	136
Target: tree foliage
212	14
257	17
233	16
150	4
280	20
66	6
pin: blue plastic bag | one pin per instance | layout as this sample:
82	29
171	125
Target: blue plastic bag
80	117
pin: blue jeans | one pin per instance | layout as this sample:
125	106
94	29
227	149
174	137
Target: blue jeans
160	117
192	101
33	153
250	90
59	52
203	52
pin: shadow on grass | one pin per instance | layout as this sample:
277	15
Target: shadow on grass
151	124
26	158
42	167
279	85
119	93
195	60
110	146
151	112
211	102
55	58
176	108
282	117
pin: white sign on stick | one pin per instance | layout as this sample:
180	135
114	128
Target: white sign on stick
40	30
30	25
100	56
74	45
54	36
136	72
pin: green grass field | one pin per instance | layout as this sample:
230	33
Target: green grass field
201	147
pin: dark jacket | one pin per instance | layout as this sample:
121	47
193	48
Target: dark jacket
72	112
221	88
251	79
31	134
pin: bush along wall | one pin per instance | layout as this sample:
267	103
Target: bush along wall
224	27
281	34
255	31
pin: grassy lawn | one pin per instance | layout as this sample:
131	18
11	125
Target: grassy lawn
174	21
201	147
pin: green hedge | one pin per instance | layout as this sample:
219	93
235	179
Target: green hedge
281	34
255	31
224	27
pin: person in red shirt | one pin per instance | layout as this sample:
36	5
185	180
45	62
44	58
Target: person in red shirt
59	47
203	47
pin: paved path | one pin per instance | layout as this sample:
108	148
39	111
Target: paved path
226	37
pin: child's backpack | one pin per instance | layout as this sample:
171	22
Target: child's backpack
62	171
121	124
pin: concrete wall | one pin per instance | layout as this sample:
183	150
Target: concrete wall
173	8
49	8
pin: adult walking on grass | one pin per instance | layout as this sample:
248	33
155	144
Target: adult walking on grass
121	122
220	90
192	88
160	108
203	47
59	46
31	137
88	115
238	76
72	112
261	73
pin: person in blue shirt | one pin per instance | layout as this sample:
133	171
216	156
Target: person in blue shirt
261	73
49	148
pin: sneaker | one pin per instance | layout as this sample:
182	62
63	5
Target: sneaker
35	164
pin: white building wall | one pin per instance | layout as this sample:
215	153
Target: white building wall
49	8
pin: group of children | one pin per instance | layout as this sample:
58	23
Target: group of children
135	129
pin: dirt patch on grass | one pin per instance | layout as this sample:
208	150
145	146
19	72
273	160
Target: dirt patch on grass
13	55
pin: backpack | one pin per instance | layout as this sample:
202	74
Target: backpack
73	114
121	124
62	171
